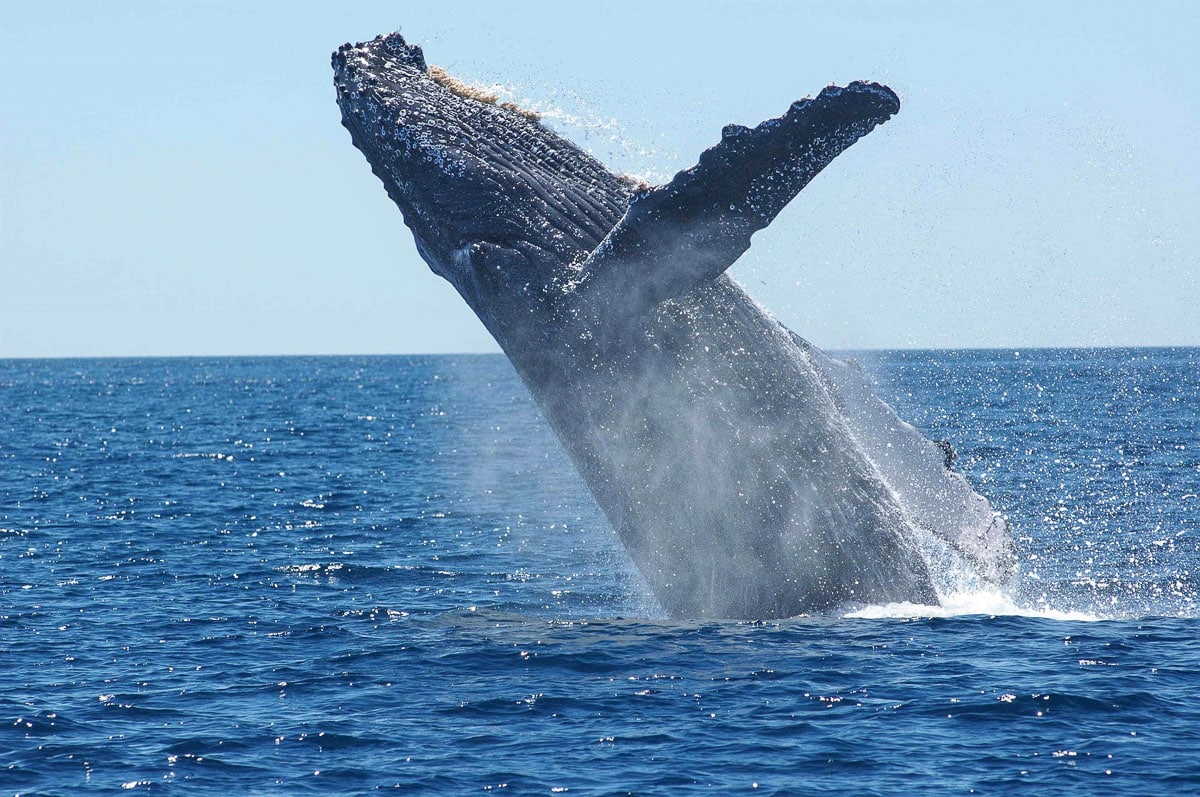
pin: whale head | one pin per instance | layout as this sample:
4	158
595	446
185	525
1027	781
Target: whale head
490	194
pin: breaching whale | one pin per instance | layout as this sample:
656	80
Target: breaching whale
748	474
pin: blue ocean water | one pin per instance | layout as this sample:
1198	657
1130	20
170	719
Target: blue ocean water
349	574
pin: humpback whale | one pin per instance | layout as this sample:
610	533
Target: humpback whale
748	474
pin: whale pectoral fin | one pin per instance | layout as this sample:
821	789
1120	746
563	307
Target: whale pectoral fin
676	236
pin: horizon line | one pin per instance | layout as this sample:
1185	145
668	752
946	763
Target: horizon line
298	355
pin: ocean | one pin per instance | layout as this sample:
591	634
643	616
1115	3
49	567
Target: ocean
344	575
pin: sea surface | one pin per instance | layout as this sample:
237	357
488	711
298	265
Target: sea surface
338	575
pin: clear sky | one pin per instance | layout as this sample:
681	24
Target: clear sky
174	178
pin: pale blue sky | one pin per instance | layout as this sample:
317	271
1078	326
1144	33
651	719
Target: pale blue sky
174	178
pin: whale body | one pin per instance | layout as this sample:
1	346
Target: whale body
748	474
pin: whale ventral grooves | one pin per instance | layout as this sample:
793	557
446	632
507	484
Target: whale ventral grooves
747	473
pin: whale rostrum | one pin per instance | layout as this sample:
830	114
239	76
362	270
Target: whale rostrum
747	473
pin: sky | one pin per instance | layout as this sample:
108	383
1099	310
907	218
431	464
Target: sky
174	178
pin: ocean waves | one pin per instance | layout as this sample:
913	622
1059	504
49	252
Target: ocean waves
444	610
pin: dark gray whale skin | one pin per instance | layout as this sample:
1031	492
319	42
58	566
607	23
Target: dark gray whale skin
748	474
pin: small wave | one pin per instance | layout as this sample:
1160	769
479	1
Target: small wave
311	569
203	455
363	574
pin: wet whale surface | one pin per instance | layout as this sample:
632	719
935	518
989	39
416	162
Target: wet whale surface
748	474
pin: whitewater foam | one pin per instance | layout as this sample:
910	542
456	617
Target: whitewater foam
989	602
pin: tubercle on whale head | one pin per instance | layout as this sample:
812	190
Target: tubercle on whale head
393	43
887	101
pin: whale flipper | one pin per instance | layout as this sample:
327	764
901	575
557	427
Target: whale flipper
676	236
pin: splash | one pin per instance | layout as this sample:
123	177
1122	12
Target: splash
990	602
600	134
